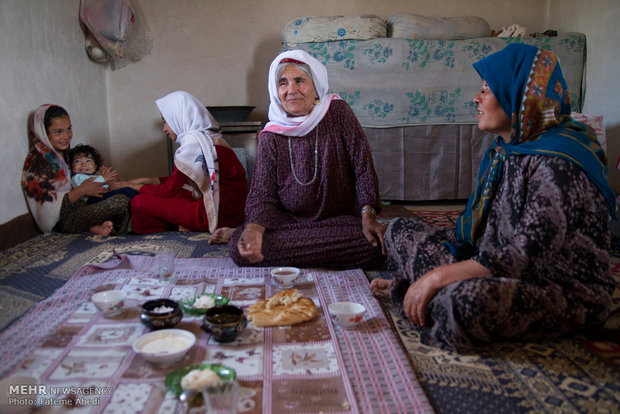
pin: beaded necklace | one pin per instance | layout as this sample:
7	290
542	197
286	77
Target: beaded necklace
316	159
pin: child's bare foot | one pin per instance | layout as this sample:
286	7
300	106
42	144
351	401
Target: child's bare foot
221	235
184	229
381	287
103	229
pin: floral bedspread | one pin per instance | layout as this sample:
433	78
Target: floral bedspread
397	82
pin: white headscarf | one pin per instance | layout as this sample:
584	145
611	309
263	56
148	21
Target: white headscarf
279	120
196	156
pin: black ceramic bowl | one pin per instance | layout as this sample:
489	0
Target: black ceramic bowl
225	323
161	313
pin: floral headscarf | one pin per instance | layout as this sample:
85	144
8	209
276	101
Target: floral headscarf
196	156
529	86
45	176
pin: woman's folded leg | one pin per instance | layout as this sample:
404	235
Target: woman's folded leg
336	243
152	214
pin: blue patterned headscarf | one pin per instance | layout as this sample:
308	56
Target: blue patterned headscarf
529	86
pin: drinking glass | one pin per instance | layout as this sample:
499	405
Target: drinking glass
222	398
165	261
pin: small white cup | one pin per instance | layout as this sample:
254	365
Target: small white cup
346	314
284	277
110	302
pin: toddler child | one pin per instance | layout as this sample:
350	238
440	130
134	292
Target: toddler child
86	163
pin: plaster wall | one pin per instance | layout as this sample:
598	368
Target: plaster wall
599	21
220	51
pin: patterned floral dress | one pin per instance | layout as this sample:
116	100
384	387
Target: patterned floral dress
318	224
538	220
546	248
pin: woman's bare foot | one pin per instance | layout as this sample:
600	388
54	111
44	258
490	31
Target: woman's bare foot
184	229
381	287
221	235
103	229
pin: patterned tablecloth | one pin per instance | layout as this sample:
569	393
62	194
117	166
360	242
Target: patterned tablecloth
312	367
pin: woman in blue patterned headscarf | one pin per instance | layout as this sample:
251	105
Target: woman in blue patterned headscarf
529	257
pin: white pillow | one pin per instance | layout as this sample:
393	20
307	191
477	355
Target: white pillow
415	26
327	28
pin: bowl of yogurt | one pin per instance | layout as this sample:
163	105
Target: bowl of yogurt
164	346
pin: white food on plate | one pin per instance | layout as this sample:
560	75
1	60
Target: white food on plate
162	309
198	379
165	345
204	302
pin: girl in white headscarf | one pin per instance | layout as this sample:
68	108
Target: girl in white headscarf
314	192
54	205
208	186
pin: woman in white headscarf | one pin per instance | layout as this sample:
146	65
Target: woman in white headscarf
314	194
208	186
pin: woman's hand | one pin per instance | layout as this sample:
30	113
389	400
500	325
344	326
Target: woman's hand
251	243
123	184
88	188
136	183
92	188
110	175
373	231
418	295
425	288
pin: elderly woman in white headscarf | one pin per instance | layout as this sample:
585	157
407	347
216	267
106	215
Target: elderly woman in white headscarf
314	194
208	186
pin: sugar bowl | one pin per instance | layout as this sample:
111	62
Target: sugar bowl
224	323
161	313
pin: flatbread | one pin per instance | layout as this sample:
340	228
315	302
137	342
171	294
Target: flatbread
287	307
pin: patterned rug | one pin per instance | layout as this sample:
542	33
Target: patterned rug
33	270
570	375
